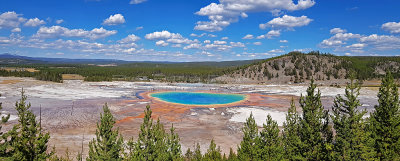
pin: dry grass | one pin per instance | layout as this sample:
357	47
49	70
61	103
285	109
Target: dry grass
12	81
72	77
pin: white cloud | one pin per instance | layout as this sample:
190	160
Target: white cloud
33	22
392	27
114	20
337	30
161	43
11	20
228	11
16	29
193	46
271	34
139	28
162	35
237	44
169	37
219	42
224	38
212	35
283	41
287	22
58	31
195	35
276	51
347	54
129	39
59	21
257	43
137	1
207	41
361	43
248	36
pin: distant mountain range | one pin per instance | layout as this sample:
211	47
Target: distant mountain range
10	59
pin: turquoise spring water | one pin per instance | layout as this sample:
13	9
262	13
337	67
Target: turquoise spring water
196	98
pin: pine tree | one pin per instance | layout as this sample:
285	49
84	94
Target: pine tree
315	132
3	137
108	143
248	147
232	156
352	141
291	137
174	145
154	143
213	153
270	141
385	121
26	140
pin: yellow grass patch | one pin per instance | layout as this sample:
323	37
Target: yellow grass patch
72	77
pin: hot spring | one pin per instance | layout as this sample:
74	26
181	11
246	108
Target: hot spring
198	98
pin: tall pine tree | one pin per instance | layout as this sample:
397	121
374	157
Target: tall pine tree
352	141
108	144
385	120
248	149
26	140
3	137
290	134
315	132
270	141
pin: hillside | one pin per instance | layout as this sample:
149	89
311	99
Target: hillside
297	67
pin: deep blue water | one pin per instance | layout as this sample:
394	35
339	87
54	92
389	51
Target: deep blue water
196	98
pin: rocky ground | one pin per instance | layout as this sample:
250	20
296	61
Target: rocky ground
70	110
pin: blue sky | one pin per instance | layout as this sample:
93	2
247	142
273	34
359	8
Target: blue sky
197	30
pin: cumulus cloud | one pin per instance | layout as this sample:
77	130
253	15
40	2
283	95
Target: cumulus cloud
337	30
169	37
225	12
207	41
271	34
360	43
224	38
139	28
237	44
196	35
287	22
219	42
114	20
257	43
248	36
58	31
193	46
283	41
11	20
137	1
161	43
392	27
16	29
33	22
129	39
59	21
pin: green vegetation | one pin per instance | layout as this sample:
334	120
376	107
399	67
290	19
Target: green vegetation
304	137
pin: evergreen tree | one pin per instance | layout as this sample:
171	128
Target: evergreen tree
270	141
154	143
352	141
385	121
248	149
174	145
3	137
315	132
291	137
213	153
108	144
232	156
27	142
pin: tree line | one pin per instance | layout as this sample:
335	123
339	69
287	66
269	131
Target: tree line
314	134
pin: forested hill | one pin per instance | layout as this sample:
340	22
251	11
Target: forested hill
297	67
